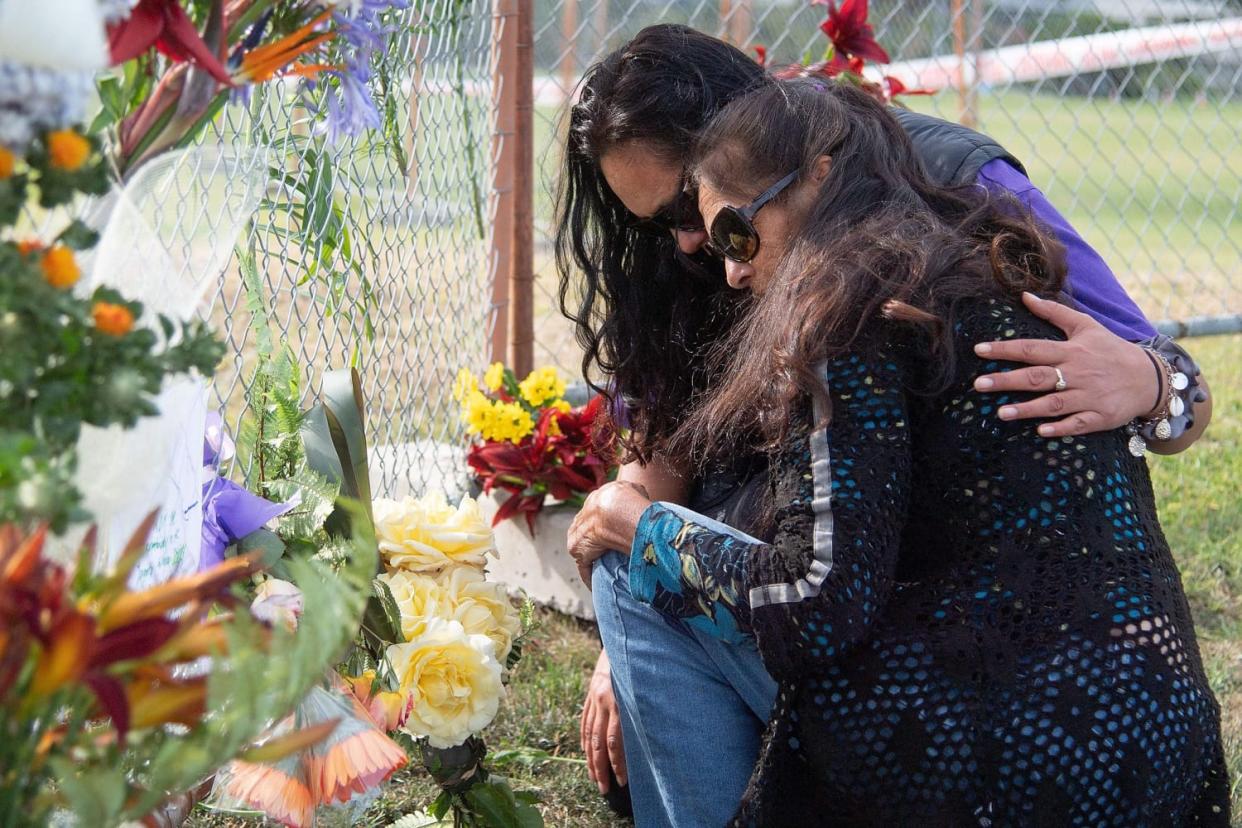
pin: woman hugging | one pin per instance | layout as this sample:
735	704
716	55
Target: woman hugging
944	615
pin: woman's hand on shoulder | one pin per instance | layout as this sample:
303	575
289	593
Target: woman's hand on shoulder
606	522
1107	381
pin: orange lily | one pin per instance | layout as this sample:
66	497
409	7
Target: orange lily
67	655
129	607
155	698
197	640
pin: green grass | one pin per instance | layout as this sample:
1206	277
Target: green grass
1153	187
1200	497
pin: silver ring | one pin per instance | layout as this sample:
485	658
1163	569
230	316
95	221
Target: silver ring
1061	383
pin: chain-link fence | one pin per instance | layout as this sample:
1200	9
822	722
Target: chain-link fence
372	252
1125	113
380	252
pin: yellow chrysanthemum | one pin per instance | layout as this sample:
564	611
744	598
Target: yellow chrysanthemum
542	385
8	161
464	384
512	423
495	376
496	421
562	406
67	150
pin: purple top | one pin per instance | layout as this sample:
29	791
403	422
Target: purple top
1092	285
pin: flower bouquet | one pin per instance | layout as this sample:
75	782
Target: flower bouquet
75	356
183	62
113	700
429	662
530	442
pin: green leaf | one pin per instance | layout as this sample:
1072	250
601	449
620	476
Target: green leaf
12	198
263	541
96	795
440	806
342	395
77	236
496	803
383	616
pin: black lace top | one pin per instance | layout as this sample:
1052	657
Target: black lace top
970	624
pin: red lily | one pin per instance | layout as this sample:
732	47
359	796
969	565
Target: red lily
893	87
164	25
851	34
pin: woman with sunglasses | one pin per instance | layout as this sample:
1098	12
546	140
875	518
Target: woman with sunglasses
649	301
968	623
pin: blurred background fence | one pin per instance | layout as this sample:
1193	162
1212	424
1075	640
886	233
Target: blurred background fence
1126	114
425	246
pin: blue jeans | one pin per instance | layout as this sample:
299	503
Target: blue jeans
693	708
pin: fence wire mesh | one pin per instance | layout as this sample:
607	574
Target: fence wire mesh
1125	113
372	252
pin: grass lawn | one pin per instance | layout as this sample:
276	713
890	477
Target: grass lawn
1200	510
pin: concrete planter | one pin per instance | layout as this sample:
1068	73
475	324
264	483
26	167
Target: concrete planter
538	564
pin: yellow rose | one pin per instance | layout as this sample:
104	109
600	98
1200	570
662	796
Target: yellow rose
427	534
495	376
482	607
453	680
419	598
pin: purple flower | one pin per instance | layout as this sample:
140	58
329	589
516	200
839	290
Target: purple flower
349	109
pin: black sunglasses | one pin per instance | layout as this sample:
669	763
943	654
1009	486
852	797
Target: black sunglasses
682	213
733	234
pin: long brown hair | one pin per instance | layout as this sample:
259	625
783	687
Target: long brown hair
881	241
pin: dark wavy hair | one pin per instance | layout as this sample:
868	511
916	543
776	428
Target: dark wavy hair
644	314
880	241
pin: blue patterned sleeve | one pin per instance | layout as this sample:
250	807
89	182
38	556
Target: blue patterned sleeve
840	498
691	567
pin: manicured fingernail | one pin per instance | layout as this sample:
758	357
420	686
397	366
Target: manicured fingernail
1008	412
983	348
1047	431
983	384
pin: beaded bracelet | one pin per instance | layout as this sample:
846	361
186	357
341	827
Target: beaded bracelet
1179	393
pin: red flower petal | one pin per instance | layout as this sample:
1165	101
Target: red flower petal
136	640
165	25
111	696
